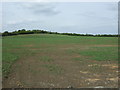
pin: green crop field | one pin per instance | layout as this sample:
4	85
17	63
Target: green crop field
54	58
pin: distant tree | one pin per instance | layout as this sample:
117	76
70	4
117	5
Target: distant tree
24	31
6	33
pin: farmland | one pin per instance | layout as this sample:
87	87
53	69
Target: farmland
59	61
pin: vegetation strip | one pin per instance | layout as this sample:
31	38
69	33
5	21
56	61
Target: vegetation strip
23	31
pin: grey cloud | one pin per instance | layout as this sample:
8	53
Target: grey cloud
113	6
119	7
93	15
98	16
25	25
88	14
41	8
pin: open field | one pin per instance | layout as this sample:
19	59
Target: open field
59	61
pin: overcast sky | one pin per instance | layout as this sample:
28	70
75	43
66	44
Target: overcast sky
75	17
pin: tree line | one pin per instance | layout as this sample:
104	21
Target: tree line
23	31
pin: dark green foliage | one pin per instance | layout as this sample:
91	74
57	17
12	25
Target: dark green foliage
6	33
23	31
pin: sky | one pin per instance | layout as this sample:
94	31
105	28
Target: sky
70	17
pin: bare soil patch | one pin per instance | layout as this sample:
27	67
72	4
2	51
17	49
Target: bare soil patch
30	73
61	71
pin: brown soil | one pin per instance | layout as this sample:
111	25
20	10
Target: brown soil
61	72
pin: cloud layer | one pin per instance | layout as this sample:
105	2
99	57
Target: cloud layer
61	17
41	8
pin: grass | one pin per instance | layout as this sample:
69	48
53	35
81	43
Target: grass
8	60
53	68
0	57
22	46
95	53
45	59
79	58
101	53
